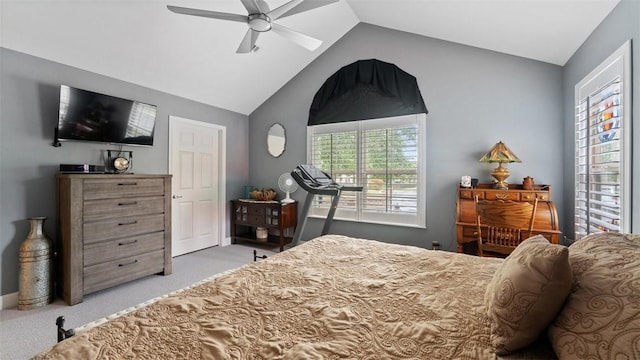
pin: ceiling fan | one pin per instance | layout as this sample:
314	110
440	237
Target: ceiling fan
261	19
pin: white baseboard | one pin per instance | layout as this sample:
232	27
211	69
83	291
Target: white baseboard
226	241
9	301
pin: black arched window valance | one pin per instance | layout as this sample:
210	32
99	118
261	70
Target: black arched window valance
366	89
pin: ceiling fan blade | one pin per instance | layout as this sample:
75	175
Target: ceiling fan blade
305	6
276	13
263	6
208	14
301	39
255	6
248	42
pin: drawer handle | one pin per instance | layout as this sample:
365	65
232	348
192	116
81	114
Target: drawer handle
502	196
128	223
128	184
129	263
128	203
127	243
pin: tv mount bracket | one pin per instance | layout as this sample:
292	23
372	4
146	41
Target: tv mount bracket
56	141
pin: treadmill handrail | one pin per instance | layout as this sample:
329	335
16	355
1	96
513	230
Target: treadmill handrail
351	188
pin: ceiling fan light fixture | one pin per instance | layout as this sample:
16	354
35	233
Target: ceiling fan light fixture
259	22
260	19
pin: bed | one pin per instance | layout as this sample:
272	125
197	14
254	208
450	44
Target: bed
337	297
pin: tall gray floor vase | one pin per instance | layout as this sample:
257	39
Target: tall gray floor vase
36	266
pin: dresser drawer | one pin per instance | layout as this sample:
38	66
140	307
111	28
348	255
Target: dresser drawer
470	232
122	187
542	196
502	195
527	196
256	219
122	227
95	210
471	194
256	210
251	214
110	250
102	276
530	196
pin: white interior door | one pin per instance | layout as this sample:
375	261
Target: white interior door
197	163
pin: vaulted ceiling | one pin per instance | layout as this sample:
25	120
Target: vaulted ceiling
141	42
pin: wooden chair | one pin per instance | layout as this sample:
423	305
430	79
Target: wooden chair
506	224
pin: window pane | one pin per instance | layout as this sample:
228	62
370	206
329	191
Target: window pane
389	165
602	166
382	155
335	153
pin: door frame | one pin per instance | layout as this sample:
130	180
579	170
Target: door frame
222	166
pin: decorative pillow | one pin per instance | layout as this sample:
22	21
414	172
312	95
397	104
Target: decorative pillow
527	292
601	319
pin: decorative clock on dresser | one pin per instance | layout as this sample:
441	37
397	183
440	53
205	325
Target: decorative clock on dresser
113	229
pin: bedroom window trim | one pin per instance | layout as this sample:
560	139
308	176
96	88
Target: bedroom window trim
602	199
352	204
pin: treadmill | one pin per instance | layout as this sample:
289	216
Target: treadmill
317	182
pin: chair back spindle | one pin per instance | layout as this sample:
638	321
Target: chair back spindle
505	223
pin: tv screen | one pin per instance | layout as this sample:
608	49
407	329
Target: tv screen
89	116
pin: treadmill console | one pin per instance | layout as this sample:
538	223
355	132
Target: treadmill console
314	177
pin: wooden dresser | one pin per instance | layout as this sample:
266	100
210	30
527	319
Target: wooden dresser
545	222
113	229
246	215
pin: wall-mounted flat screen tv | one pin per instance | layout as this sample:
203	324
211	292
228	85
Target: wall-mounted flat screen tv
89	116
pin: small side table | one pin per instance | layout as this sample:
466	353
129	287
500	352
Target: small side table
247	215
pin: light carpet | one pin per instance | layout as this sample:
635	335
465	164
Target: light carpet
24	334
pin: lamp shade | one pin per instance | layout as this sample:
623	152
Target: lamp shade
500	153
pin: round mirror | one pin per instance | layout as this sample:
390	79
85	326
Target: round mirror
276	140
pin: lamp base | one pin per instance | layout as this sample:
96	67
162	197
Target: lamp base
501	174
501	185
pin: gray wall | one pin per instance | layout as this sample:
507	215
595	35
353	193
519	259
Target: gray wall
475	98
622	24
28	163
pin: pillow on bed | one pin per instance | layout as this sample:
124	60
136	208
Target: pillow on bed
601	319
527	292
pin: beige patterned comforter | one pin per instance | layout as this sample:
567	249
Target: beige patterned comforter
331	298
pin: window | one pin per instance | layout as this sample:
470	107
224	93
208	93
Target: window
602	146
386	156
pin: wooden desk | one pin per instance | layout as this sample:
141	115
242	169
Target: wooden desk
545	222
247	215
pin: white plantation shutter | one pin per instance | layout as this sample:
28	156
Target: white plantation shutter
389	168
333	153
386	156
603	173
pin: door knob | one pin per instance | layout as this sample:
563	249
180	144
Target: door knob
177	196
